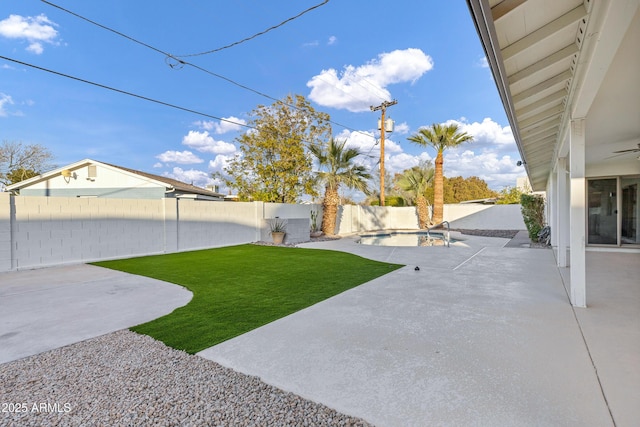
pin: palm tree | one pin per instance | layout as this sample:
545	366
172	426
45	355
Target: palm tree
414	182
440	137
340	170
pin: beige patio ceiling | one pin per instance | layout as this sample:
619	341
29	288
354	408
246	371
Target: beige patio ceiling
538	46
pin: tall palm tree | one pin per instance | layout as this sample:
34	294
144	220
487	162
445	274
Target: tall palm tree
440	137
339	169
414	182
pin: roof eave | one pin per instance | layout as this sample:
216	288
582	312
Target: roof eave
483	21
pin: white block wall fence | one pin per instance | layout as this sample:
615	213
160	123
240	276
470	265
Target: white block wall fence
40	231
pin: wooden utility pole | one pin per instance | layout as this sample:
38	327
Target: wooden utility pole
382	107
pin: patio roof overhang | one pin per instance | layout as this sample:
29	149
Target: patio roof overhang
557	60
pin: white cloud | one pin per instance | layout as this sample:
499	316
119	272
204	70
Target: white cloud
363	140
158	165
311	44
202	141
219	163
191	176
36	30
483	63
401	128
498	171
228	124
181	157
403	161
357	88
4	101
332	40
487	133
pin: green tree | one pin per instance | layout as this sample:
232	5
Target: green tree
274	164
414	183
461	189
20	161
336	168
440	137
510	196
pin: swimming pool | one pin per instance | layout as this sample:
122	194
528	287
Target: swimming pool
405	238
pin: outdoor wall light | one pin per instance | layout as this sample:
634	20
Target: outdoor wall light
520	163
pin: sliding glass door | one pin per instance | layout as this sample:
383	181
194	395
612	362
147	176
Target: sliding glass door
613	211
603	211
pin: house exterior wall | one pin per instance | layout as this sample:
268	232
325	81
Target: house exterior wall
107	182
43	231
113	192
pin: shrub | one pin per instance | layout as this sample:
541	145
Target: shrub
395	201
532	207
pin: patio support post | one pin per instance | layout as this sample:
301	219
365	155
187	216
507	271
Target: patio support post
562	210
577	214
551	210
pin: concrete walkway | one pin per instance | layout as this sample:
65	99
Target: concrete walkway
52	307
481	334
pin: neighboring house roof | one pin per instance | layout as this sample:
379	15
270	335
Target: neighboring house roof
173	183
487	201
169	183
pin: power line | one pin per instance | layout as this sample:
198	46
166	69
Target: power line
146	98
275	132
179	63
257	34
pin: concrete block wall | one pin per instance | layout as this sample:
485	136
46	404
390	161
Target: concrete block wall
484	217
354	219
298	230
213	224
280	210
59	230
42	231
6	213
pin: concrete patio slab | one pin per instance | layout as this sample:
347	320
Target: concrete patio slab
52	307
611	328
480	335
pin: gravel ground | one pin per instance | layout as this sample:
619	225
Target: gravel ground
128	379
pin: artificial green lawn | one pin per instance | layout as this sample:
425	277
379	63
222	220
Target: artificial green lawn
239	288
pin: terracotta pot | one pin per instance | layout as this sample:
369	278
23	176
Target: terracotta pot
278	237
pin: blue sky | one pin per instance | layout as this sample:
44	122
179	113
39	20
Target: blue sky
343	55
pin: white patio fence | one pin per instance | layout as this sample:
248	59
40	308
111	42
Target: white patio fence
44	231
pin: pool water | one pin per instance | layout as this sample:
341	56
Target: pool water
404	239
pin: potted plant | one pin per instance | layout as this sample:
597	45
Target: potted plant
278	230
315	231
